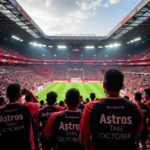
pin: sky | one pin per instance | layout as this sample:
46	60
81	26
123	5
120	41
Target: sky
97	17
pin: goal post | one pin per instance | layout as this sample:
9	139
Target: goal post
76	80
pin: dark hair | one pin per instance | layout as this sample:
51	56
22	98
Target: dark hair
114	80
2	100
147	91
51	98
81	97
126	97
61	103
28	98
42	102
92	96
87	100
138	96
37	97
72	98
13	91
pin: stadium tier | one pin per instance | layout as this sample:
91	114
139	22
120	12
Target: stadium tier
137	76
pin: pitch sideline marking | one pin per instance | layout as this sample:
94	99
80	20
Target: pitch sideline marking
44	88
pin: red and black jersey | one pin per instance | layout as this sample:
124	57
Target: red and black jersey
16	128
113	123
146	113
81	107
46	112
64	128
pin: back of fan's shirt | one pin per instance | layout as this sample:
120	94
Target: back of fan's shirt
15	127
113	123
65	130
46	112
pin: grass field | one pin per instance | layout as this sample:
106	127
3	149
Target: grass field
84	88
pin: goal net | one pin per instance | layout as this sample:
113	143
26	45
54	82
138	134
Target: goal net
76	80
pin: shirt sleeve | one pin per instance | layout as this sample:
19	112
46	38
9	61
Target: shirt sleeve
48	130
84	122
59	108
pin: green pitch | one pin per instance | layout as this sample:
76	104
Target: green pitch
84	88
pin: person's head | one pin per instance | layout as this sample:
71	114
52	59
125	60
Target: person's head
14	92
147	94
126	97
72	98
81	97
138	96
87	100
61	103
28	98
113	82
42	102
92	96
2	101
51	98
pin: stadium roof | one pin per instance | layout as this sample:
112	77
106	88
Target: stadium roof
14	20
136	23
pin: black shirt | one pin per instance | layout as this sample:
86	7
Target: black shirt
66	130
15	127
112	122
145	110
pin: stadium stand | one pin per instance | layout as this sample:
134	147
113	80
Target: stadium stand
60	72
26	77
43	70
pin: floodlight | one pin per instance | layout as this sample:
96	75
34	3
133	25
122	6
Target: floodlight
40	45
62	46
50	46
15	37
89	47
111	46
131	41
137	39
35	44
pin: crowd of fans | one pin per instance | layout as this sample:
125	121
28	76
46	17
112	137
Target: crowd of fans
136	77
26	77
60	73
110	123
91	73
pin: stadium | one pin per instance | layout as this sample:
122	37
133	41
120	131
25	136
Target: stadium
60	61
